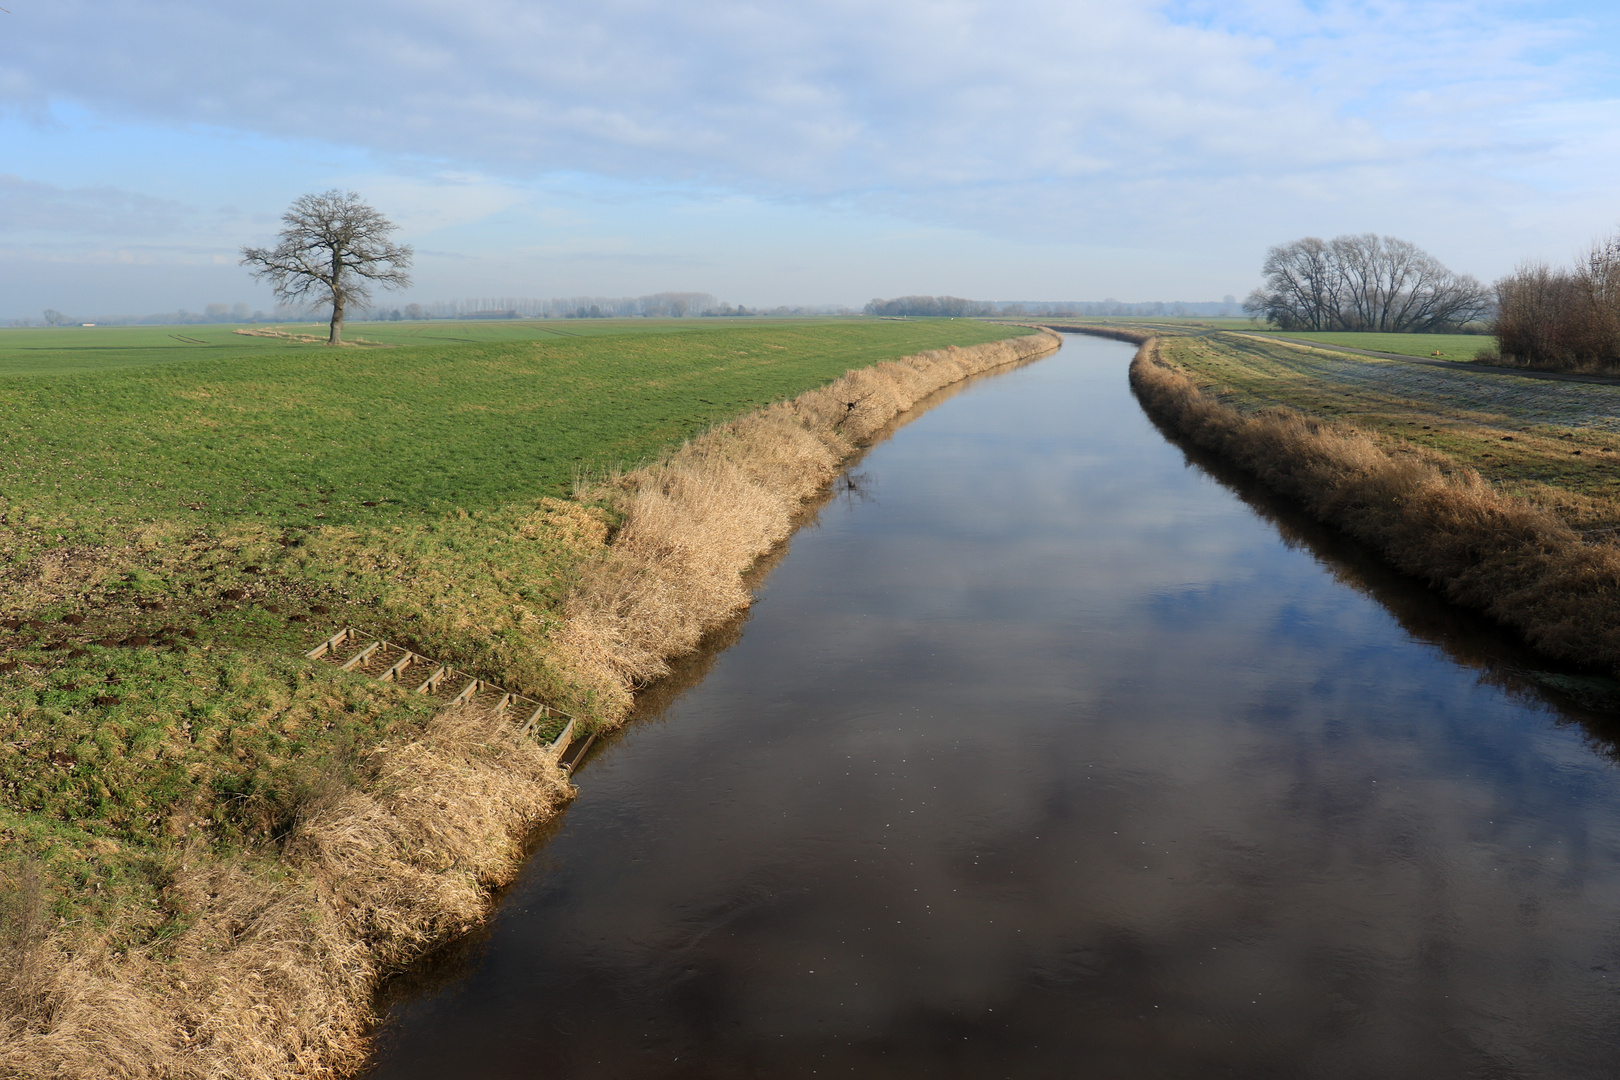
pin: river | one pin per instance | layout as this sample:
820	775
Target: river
1050	751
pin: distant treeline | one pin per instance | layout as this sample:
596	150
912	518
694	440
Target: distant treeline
1566	320
211	313
956	307
664	305
655	305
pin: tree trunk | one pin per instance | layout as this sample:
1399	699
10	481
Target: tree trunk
335	335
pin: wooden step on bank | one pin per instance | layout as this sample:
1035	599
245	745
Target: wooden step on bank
384	661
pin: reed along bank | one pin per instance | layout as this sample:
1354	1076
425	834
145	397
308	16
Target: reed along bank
256	952
1058	748
1500	492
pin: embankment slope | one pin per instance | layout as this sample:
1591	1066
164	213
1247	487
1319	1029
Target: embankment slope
1429	515
271	970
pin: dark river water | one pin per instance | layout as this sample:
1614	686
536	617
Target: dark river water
1052	752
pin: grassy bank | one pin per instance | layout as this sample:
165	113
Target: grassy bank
211	849
698	518
1459	347
1556	444
1499	491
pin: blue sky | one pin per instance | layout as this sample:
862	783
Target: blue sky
773	152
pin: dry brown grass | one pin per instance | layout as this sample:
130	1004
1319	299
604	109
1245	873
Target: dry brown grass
1431	517
695	521
274	974
274	977
309	339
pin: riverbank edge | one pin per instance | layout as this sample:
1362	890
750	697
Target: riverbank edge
1428	516
277	975
697	519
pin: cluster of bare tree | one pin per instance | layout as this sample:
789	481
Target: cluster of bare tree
1365	282
956	306
212	313
664	304
953	306
1177	309
1563	319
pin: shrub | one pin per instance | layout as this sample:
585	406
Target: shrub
1564	320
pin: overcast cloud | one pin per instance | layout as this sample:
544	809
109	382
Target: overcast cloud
775	151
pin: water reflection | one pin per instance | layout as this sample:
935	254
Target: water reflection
1049	756
1577	696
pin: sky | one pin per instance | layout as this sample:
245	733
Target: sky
773	152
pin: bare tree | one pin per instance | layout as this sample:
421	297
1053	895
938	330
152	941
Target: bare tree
333	248
1300	289
1365	282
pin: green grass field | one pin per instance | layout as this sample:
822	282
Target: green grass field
65	350
183	511
1448	346
139	427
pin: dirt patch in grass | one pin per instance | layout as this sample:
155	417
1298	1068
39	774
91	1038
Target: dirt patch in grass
308	339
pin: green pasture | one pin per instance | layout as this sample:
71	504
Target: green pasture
162	497
450	415
65	350
1449	346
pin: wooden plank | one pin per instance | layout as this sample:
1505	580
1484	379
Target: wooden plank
432	682
361	657
574	758
442	673
330	644
560	743
399	665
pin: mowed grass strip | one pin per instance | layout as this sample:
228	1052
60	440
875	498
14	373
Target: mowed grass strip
1556	443
305	435
1460	347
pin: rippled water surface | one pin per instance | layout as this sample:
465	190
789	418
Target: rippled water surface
1050	753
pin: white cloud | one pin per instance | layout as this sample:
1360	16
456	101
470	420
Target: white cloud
442	200
33	207
833	96
1198	125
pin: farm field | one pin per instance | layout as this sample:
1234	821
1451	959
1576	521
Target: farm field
1172	323
180	521
1556	443
69	349
468	417
1450	346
